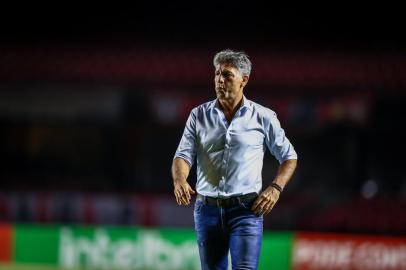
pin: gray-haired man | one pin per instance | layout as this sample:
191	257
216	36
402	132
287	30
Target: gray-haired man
228	138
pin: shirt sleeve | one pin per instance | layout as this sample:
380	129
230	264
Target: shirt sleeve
277	142
187	146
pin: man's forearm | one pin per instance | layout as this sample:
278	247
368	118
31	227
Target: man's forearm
285	172
182	190
180	170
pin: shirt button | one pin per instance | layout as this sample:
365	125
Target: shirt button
227	146
224	161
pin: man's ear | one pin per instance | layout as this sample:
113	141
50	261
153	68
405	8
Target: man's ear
245	79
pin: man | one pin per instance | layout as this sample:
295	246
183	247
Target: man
228	137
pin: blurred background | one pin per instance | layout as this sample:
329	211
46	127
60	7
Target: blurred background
93	102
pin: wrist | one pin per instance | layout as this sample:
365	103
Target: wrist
179	181
276	186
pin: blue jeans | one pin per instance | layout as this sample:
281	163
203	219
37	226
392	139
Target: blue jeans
219	230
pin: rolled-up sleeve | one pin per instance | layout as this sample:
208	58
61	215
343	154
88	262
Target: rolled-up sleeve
277	142
187	146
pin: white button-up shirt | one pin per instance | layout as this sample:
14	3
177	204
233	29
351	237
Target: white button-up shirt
230	155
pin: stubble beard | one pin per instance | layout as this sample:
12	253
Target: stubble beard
224	95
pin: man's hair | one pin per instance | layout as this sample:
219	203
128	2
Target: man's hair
238	60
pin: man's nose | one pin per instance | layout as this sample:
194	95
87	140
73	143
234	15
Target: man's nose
220	79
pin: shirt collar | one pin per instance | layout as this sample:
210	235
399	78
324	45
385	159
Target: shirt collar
246	103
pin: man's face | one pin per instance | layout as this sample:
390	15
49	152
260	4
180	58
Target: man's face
229	82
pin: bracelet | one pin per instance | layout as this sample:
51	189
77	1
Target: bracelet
277	187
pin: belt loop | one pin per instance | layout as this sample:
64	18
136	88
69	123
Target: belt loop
239	200
218	203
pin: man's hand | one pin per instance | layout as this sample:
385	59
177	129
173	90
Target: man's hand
265	201
183	192
180	172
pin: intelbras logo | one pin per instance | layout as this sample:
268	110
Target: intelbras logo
146	250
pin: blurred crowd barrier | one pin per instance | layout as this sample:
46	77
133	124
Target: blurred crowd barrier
294	212
90	208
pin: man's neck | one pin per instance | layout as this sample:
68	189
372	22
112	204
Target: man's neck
230	107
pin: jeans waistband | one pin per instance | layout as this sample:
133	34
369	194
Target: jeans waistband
228	202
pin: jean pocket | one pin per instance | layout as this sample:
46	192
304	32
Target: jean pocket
198	206
246	205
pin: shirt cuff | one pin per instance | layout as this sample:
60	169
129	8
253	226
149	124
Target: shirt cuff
288	157
185	158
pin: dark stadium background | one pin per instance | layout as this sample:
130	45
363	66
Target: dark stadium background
93	101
